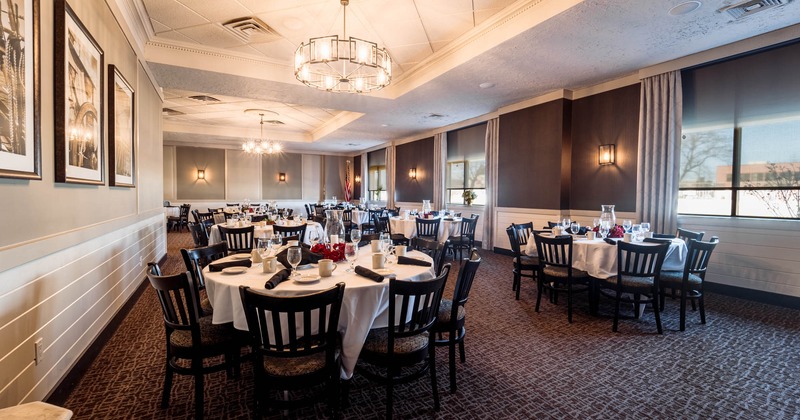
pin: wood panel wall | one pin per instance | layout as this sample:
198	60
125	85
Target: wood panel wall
419	155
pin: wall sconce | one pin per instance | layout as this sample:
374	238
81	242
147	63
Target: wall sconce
605	154
412	173
357	179
201	174
282	177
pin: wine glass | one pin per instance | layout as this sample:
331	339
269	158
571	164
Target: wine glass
386	246
636	231
565	223
293	257
575	227
351	254
627	224
276	241
263	248
604	228
313	237
645	228
595	222
355	235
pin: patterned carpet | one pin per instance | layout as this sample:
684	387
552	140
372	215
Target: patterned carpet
744	363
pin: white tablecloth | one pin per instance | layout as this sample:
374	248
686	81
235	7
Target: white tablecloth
266	232
360	217
365	304
408	227
599	259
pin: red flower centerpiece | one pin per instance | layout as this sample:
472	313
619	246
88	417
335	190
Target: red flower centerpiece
333	252
615	232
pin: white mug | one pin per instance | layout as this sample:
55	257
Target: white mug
377	261
293	243
270	264
626	237
375	245
326	268
556	231
400	250
590	235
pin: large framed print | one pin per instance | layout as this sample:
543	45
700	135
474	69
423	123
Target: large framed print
78	100
120	129
20	104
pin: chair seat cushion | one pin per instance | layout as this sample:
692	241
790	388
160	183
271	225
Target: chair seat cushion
211	335
526	260
562	272
446	309
378	342
676	277
631	282
294	366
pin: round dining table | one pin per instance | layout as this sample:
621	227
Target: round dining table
408	227
365	304
266	231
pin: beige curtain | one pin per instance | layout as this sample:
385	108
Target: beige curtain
390	177
492	144
364	177
439	167
660	117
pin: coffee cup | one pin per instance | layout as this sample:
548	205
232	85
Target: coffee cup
590	235
270	264
293	243
400	250
626	237
326	267
556	231
377	261
375	245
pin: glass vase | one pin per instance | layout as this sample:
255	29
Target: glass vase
334	226
426	208
607	215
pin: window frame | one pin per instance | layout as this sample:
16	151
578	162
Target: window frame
448	190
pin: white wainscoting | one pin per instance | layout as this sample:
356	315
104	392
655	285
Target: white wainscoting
755	254
66	298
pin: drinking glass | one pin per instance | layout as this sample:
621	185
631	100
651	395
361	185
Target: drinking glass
313	237
604	228
293	257
386	246
263	248
351	254
627	224
645	228
595	222
276	241
355	236
575	227
235	218
636	231
565	223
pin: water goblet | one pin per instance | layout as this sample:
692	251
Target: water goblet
636	232
565	223
312	236
595	222
355	235
645	228
351	254
293	257
604	228
276	241
263	248
627	224
575	227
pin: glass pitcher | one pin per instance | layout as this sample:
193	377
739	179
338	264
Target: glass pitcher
426	208
334	226
607	215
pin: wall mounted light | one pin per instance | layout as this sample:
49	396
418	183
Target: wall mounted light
605	154
282	177
201	174
357	179
412	173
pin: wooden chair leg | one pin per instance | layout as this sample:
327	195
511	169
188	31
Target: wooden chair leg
656	312
539	288
461	348
452	350
167	387
432	367
198	395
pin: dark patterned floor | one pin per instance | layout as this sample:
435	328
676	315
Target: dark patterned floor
744	363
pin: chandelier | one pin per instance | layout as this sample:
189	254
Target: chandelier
350	65
260	146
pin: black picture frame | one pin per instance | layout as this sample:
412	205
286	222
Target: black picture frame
121	126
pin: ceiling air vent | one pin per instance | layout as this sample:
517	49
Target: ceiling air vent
251	30
750	7
170	112
204	98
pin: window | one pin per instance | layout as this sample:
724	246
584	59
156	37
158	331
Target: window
740	154
466	164
376	176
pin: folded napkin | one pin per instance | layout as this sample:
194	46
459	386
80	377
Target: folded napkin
278	278
610	241
218	266
412	261
307	258
658	240
366	272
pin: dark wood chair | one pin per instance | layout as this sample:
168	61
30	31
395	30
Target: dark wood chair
524	265
524	232
192	338
406	347
232	204
690	281
452	314
428	228
177	223
199	234
436	250
382	225
347	221
687	234
286	231
240	240
556	273
204	218
465	240
294	356
638	273
197	258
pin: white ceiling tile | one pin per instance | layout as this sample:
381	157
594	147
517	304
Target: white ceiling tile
245	49
444	8
159	27
217	11
172	14
268	6
482	15
439	45
401	32
212	35
411	53
384	9
280	50
457	24
492	4
176	36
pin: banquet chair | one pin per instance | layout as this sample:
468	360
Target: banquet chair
197	258
465	240
452	314
284	231
428	228
319	210
402	344
366	239
296	356
240	240
180	221
256	218
232	204
347	221
192	338
435	249
555	270
522	263
382	225
690	281
474	215
524	232
638	273
687	234
202	217
215	210
199	234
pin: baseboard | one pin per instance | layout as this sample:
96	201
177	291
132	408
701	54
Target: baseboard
761	296
62	391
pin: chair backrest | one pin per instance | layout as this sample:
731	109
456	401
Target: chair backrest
153	268
199	234
524	232
437	251
394	212
284	231
184	215
232	204
686	234
347	216
255	218
214	211
311	322
203	217
319	210
555	252
166	203
474	216
367	238
464	283
178	298
197	258
428	228
552	224
238	239
468	226
512	240
375	213
698	256
416	301
640	260
382	224
309	212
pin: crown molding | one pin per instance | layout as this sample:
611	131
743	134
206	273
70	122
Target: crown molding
340	120
235	134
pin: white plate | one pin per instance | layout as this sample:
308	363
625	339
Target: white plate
234	270
240	256
384	271
307	278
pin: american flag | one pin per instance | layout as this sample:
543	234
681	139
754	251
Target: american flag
347	186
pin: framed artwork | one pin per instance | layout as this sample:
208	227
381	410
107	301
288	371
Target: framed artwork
120	129
20	105
78	100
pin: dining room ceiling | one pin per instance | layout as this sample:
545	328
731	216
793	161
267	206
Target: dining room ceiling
442	51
